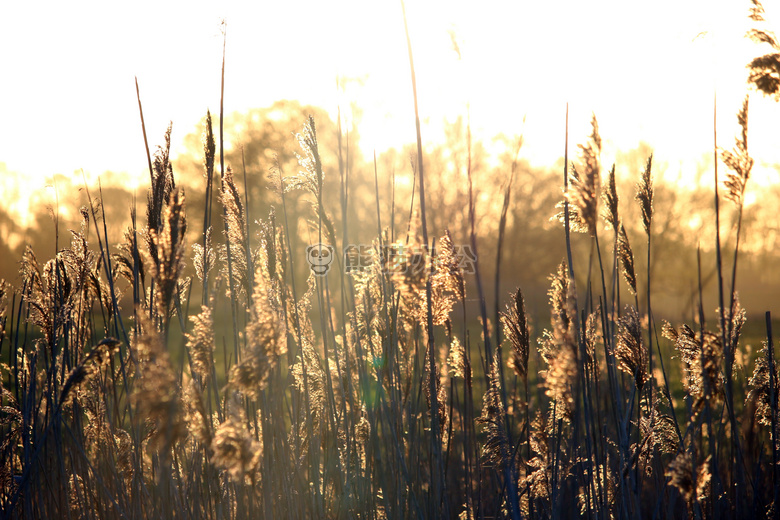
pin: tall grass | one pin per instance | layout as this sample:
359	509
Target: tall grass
370	397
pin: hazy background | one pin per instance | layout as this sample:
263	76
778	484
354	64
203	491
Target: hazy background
649	72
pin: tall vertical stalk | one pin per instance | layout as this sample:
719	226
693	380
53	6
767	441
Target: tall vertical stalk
437	464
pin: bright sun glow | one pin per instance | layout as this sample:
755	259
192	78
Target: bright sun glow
648	71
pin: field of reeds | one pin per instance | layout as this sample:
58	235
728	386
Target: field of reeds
131	389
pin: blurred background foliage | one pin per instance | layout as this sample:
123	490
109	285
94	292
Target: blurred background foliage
257	140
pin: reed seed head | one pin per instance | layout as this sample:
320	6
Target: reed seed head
517	332
644	194
738	160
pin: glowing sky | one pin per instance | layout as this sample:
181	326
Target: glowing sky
647	69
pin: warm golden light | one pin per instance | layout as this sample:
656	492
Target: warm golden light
450	259
649	73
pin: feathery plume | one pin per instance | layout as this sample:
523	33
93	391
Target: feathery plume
123	261
458	361
312	177
626	256
563	299
162	186
737	316
559	347
265	345
270	249
236	235
585	188
496	449
538	480
630	351
760	386
447	270
156	396
98	357
680	474
559	380
757	11
265	341
516	331
764	70
4	288
362	437
593	335
702	358
659	428
644	194
200	343
234	449
310	377
738	161
49	294
204	258
368	301
447	283
209	148
658	434
195	416
610	196
169	243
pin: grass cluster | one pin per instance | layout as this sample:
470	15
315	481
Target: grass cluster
365	394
